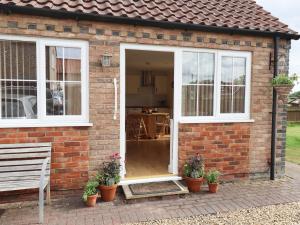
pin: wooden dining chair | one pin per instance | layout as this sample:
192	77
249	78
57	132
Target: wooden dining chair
162	125
135	127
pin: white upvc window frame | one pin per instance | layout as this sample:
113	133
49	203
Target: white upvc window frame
58	120
217	116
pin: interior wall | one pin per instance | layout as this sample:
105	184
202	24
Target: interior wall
146	96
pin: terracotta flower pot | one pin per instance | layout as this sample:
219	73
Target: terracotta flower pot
108	193
91	200
213	188
194	184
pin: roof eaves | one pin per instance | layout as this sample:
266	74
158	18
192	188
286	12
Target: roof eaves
136	21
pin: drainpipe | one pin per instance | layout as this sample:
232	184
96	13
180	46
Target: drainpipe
274	111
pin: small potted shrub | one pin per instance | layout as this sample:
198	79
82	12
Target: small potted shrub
90	193
109	177
212	178
283	84
194	172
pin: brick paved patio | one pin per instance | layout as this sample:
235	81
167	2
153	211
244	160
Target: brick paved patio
230	197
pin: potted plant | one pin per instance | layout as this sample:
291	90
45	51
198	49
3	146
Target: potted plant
90	193
283	84
109	177
212	180
194	172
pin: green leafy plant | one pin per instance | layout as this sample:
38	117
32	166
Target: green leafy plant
194	167
110	171
90	189
284	79
212	176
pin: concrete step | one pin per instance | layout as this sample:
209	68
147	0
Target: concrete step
154	189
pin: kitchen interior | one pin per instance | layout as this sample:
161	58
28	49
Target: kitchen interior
149	111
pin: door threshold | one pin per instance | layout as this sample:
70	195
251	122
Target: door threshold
149	180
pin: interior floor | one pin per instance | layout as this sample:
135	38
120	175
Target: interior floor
147	158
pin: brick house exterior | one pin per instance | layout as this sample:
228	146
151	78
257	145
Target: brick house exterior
239	150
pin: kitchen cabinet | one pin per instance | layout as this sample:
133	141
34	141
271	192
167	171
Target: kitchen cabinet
132	84
161	85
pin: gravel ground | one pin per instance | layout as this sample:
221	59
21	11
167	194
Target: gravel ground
287	214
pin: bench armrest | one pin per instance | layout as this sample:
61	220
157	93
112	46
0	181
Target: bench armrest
43	172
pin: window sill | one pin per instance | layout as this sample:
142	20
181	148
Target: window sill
25	125
187	121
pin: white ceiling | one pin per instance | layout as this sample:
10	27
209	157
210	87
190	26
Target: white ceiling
149	60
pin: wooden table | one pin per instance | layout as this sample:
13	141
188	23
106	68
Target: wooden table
150	122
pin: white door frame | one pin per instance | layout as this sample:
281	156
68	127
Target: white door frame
173	167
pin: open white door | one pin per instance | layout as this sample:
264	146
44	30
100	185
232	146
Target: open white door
173	163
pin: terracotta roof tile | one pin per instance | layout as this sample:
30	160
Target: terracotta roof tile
243	14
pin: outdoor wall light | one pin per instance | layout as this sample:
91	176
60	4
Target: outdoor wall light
106	60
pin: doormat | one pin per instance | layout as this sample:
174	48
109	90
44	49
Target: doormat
154	189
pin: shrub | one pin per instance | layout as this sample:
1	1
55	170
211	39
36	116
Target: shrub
110	171
90	189
194	167
284	79
212	177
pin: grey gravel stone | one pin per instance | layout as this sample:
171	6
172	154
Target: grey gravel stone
286	214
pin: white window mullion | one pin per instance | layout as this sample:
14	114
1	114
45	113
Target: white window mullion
17	74
217	83
4	76
63	83
232	84
41	80
85	82
197	85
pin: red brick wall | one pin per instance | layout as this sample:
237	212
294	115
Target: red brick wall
223	146
70	148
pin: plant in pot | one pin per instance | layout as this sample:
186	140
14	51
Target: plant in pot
90	193
283	84
109	177
212	178
194	172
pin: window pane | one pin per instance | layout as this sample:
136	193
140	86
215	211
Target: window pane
54	63
64	65
206	68
226	99
239	71
189	100
55	104
190	68
18	80
72	64
73	98
238	99
205	100
233	75
226	71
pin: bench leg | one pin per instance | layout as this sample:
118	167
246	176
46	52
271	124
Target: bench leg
41	205
48	196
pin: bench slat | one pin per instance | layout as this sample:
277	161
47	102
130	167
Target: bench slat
22	145
24	187
21	168
25	155
23	150
21	185
28	178
21	173
22	162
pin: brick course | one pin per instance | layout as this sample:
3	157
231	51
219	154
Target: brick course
223	146
103	138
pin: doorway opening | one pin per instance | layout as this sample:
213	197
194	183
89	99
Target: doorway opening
149	91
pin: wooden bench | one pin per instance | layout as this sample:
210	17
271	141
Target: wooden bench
26	166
